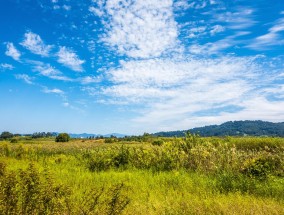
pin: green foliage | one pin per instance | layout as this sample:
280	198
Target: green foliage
234	182
62	137
14	140
6	135
193	174
29	192
236	128
111	201
42	134
111	140
261	167
157	142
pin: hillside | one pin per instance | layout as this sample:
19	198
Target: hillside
236	128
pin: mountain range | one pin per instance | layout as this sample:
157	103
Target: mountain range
85	135
233	128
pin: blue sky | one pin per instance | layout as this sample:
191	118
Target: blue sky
128	66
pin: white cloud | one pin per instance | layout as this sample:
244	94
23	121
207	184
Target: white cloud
140	29
96	11
183	5
6	66
90	79
56	7
66	7
34	43
51	72
197	32
217	46
55	91
25	78
216	29
241	19
69	58
212	47
66	104
271	38
48	71
163	78
12	52
171	92
212	2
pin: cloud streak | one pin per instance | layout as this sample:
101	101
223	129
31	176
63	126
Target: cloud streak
272	38
25	78
6	66
35	44
69	58
54	91
12	52
48	71
178	90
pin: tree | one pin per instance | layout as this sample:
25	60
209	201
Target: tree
6	135
62	137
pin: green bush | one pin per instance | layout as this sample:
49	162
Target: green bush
112	201
234	182
30	192
6	135
261	167
157	142
62	137
14	140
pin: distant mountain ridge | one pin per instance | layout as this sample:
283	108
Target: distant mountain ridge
233	128
85	135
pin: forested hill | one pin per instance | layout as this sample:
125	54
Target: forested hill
236	128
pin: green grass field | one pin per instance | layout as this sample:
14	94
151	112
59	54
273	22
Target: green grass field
190	175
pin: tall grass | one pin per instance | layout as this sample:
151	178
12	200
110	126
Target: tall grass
190	175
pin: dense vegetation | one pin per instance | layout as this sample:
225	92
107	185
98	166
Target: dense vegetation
146	175
236	128
62	137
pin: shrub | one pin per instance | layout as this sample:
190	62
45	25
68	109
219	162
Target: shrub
14	140
112	201
30	192
261	167
6	135
157	142
62	137
233	182
111	140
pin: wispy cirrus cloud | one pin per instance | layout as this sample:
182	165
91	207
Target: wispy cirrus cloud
135	28
166	76
35	44
218	46
211	47
96	11
70	59
178	90
54	90
272	38
181	5
6	66
90	79
216	29
26	78
240	19
48	71
11	51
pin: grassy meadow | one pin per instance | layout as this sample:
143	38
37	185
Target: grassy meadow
150	175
